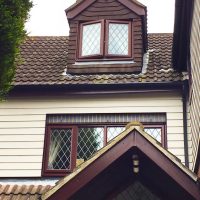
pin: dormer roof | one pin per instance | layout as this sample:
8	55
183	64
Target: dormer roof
80	5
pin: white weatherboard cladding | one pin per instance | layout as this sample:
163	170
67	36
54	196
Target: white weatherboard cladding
22	123
195	94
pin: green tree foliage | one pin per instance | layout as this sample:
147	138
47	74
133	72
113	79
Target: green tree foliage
13	15
89	140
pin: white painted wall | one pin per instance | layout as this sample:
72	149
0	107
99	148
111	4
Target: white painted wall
22	124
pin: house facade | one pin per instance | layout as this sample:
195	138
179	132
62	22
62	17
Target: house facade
72	99
187	60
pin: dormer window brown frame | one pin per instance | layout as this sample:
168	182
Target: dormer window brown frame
103	53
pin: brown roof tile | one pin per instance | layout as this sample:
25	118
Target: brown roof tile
44	59
22	192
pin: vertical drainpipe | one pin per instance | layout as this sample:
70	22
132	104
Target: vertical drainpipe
184	96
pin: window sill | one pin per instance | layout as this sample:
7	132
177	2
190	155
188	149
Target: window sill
99	68
104	62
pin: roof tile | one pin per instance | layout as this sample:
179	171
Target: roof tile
44	60
22	192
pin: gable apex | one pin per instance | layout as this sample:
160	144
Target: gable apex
133	138
81	5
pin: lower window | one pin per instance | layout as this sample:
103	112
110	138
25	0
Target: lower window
68	146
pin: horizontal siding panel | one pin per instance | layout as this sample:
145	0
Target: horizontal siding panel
18	138
93	109
22	117
177	152
175	144
22	124
17	166
189	129
20	159
174	116
182	158
171	130
113	8
21	152
21	145
90	102
175	123
22	131
175	137
20	173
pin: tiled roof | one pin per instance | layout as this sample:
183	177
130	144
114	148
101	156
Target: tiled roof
22	192
44	59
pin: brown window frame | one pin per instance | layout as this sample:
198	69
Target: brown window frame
104	42
74	143
101	39
107	38
56	172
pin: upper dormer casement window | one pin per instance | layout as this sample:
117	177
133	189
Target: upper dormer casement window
106	36
105	39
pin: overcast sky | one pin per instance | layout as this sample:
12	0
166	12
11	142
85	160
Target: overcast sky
47	17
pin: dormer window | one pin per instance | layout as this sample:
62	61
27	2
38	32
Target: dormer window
105	39
91	39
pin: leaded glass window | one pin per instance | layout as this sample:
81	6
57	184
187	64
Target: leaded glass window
91	39
105	39
90	140
60	148
67	146
114	131
154	132
118	39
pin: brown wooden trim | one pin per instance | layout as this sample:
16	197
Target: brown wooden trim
163	133
93	170
118	58
104	43
74	147
56	172
74	142
136	7
168	166
44	151
104	68
105	135
133	139
73	11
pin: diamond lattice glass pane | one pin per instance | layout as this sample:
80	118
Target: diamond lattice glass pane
136	191
60	148
118	39
91	39
90	140
155	133
113	132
